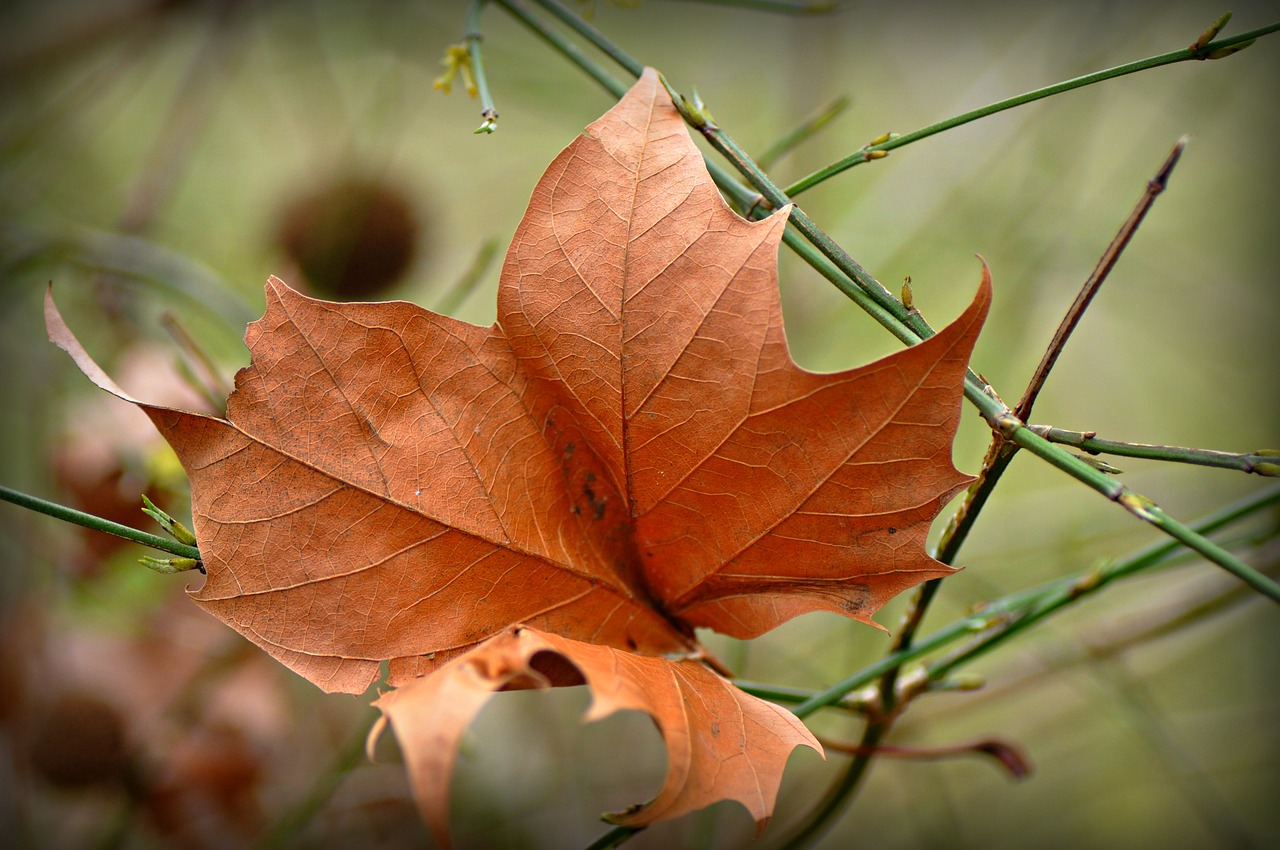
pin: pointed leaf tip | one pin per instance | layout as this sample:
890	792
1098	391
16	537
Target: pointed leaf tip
61	336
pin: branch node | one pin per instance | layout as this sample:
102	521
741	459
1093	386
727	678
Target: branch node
1138	505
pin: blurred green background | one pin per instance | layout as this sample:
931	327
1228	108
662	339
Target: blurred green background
162	159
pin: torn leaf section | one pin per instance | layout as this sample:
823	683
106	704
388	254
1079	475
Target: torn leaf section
722	744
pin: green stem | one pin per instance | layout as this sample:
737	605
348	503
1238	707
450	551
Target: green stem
886	318
1143	508
290	825
894	660
727	147
615	837
473	39
1263	462
97	523
568	49
470	279
628	62
1016	606
838	794
802	133
860	156
773	693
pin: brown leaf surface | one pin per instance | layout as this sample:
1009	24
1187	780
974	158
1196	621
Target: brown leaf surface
722	744
627	454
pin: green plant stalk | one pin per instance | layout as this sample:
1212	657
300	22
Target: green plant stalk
1057	591
473	39
937	640
1136	504
1264	462
773	693
837	794
860	156
289	826
566	48
802	133
1054	599
470	279
594	36
97	523
615	837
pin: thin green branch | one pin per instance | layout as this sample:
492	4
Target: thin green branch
1060	594
566	48
474	39
996	614
1265	462
803	133
838	793
867	675
1186	615
1134	628
593	35
866	153
470	279
774	693
1143	508
289	826
615	837
97	523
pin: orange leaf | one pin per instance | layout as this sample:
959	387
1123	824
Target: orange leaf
627	454
722	744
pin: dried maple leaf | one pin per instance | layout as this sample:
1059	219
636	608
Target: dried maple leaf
627	454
